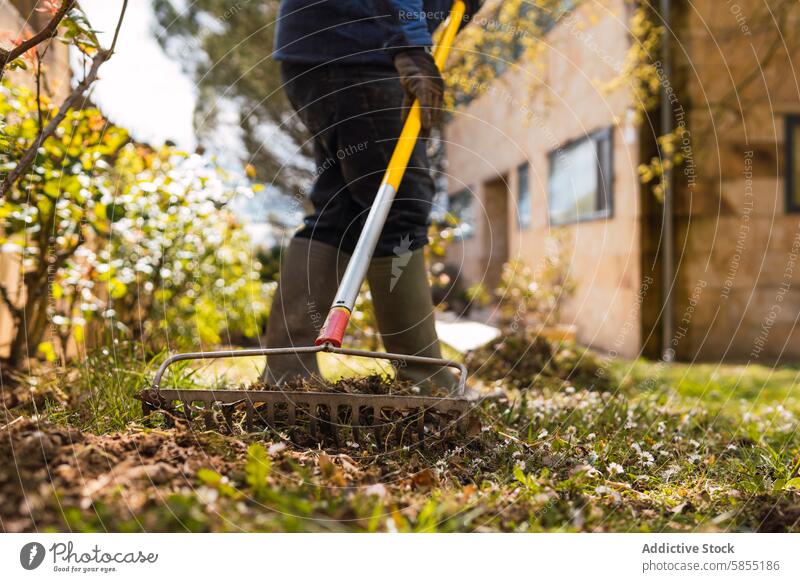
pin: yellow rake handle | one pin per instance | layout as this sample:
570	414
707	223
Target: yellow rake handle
333	330
408	137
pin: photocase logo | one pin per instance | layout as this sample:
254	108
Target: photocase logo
402	255
31	555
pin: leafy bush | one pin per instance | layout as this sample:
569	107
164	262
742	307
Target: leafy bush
179	266
536	294
118	238
55	214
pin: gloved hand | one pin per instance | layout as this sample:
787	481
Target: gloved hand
421	79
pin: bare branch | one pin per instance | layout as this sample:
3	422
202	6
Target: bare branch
49	31
30	154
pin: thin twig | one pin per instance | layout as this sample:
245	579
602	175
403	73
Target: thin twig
49	31
39	90
30	154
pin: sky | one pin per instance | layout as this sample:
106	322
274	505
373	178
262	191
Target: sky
140	88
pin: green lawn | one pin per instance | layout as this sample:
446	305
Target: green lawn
668	448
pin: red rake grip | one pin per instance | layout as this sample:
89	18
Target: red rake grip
333	329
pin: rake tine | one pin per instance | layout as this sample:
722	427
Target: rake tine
463	424
270	414
399	428
249	418
449	428
355	421
377	429
334	423
169	421
209	417
421	425
408	428
324	424
227	414
187	410
312	421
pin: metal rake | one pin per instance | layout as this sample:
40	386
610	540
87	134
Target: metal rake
329	413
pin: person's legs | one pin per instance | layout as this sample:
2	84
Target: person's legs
369	124
310	271
311	265
353	114
398	278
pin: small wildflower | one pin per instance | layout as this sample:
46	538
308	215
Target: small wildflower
615	469
276	448
376	489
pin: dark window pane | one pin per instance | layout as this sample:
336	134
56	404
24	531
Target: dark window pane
524	200
580	185
461	206
795	161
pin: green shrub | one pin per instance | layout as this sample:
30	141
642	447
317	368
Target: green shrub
119	240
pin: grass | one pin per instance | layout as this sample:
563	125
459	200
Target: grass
671	448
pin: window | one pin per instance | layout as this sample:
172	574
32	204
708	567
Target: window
580	184
792	163
524	197
462	208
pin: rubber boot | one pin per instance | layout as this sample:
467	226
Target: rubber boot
403	306
310	272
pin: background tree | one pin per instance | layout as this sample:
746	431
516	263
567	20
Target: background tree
227	50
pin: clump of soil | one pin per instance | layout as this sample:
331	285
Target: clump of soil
523	359
60	478
774	513
374	384
46	468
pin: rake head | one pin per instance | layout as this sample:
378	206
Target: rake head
334	417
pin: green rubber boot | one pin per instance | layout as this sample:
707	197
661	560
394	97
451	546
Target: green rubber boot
401	296
310	272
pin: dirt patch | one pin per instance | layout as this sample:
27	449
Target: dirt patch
775	513
363	385
46	468
522	359
54	477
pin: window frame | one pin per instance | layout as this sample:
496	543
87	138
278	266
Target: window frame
605	175
524	167
467	192
792	202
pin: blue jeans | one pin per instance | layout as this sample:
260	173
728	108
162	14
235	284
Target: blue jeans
354	116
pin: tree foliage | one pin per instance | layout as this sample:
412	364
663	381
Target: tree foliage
227	50
115	237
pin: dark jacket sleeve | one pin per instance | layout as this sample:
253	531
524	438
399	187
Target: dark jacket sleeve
405	23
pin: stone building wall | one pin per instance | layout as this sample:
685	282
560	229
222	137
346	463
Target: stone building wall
738	281
524	116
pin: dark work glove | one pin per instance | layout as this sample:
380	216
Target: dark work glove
421	80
